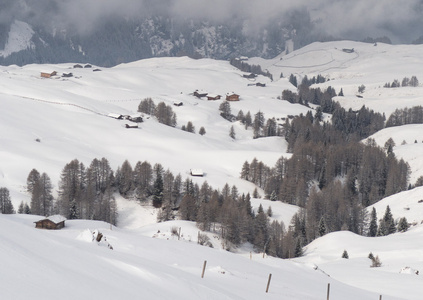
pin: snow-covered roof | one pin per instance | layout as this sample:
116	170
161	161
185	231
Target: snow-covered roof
56	218
113	115
197	172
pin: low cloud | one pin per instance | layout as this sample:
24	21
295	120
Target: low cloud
400	20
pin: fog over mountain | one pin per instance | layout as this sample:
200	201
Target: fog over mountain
127	30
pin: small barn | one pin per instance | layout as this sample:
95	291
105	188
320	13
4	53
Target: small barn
131	126
52	222
115	116
178	103
200	94
136	119
67	75
197	172
213	97
260	84
232	97
48	75
77	66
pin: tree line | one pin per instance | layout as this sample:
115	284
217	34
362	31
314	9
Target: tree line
413	82
406	116
245	67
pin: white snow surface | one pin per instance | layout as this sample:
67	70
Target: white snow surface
46	123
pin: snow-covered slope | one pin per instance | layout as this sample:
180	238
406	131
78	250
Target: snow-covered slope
368	64
69	117
48	122
40	264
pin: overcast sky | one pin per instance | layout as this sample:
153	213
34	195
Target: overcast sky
400	20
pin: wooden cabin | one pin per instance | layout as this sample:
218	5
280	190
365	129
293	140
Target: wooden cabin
178	103
232	97
52	222
135	119
213	97
131	126
199	94
77	66
48	75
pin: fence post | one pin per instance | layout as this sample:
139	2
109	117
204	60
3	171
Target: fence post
268	282
179	233
380	297
328	291
204	268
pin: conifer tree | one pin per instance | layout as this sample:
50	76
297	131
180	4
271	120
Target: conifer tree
225	110
240	117
255	193
31	180
190	127
45	197
125	181
269	211
21	208
158	186
373	223
245	172
248	120
6	206
202	131
258	124
322	227
232	133
298	248
345	254
293	80
389	221
403	225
